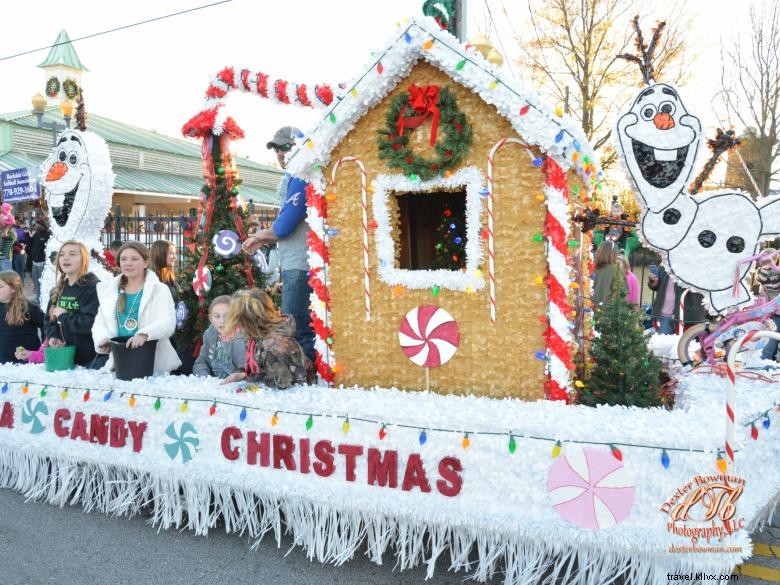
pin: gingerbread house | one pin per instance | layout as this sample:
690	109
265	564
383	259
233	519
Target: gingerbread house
442	249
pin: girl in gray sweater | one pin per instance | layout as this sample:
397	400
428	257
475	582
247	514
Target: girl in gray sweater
221	356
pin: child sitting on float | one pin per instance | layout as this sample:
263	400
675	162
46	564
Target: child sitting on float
273	357
137	306
20	320
73	305
221	356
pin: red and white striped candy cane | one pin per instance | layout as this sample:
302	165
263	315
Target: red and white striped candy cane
732	387
491	245
364	194
681	312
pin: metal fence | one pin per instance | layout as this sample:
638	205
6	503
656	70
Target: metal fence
165	226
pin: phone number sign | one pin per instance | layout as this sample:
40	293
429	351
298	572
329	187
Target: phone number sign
19	185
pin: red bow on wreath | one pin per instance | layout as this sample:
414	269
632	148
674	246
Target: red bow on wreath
424	101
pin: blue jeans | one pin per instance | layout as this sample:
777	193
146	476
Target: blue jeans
295	302
6	265
666	326
20	264
770	349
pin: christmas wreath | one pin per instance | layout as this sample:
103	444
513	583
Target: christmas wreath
71	89
52	87
407	112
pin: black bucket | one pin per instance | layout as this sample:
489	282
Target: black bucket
132	363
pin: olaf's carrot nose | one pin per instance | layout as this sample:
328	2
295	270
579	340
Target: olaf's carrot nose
663	121
57	171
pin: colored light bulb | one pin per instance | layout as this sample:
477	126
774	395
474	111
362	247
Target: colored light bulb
423	437
379	68
86	396
382	432
108	396
766	423
5	388
309	423
212	409
512	444
460	65
242	416
559	136
43	391
345	425
184	406
132	401
753	431
466	441
538	238
556	450
64	394
435	290
157	403
332	117
524	110
720	463
537	162
665	459
25	388
274	419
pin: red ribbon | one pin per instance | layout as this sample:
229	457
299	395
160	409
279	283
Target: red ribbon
424	101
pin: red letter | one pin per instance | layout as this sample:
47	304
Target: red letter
7	418
79	430
303	450
98	429
284	447
382	471
229	451
137	430
449	469
60	429
415	474
323	451
350	452
117	433
253	447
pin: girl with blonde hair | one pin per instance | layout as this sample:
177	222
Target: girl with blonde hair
273	356
73	304
137	306
605	283
20	320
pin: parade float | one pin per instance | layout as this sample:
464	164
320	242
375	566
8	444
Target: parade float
442	432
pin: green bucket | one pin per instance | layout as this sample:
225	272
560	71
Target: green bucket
59	358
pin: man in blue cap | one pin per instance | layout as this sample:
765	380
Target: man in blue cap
289	231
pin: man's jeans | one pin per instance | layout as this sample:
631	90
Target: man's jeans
666	326
6	265
295	302
19	263
37	272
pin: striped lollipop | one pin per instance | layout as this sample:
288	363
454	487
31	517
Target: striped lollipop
428	336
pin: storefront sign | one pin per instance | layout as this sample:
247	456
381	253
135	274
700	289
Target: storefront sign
19	185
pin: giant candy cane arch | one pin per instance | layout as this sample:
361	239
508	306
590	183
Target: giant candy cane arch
364	200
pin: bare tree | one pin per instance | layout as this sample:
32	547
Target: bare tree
750	80
572	53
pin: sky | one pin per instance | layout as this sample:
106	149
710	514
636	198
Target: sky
154	76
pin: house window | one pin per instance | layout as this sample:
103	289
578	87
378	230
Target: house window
431	233
427	232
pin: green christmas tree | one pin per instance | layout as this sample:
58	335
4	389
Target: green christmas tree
229	273
626	372
450	241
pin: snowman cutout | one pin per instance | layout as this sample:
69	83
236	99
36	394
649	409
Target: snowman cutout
706	241
79	181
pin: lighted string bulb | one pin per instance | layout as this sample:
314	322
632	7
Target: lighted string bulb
213	408
720	462
242	416
524	110
330	197
753	431
427	45
466	441
766	422
309	423
559	136
64	394
556	450
579	384
512	444
460	65
379	68
332	117
131	402
86	395
108	395
540	198
275	419
382	432
43	391
184	406
538	238
537	162
493	85
157	403
354	92
540	355
665	459
573	243
539	280
25	388
345	425
423	437
559	111
435	290
5	388
413	178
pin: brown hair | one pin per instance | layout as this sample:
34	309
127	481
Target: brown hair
158	254
253	313
60	277
143	251
16	313
220	300
606	254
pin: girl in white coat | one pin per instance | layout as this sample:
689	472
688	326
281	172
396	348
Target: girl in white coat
137	305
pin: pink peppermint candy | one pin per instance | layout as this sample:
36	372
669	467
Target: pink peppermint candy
590	488
429	336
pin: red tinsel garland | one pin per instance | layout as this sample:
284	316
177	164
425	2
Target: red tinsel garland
316	244
319	327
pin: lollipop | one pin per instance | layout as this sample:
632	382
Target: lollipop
428	336
182	312
590	488
226	243
202	281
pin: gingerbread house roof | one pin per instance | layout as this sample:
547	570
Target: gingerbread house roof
560	137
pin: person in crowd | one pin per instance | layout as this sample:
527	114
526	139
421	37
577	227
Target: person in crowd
273	357
163	257
73	305
20	248
20	320
110	253
36	253
667	299
290	231
7	237
608	278
768	279
221	356
632	282
137	306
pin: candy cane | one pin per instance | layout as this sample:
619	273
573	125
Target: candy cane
364	193
731	390
491	251
681	312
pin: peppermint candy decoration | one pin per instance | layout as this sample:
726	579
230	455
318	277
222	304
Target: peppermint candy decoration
182	312
429	336
590	488
226	243
201	284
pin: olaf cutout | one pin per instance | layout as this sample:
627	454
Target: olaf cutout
79	183
703	239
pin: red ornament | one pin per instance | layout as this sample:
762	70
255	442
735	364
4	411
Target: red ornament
424	101
409	159
447	213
